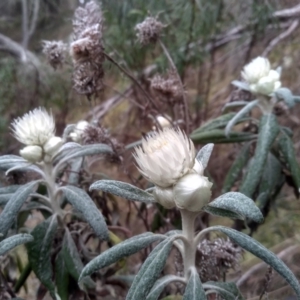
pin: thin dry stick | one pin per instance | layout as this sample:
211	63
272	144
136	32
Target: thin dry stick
186	109
131	77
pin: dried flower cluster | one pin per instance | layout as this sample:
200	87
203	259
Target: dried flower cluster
216	258
167	87
87	50
55	52
149	30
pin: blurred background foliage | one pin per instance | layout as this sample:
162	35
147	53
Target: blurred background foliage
209	41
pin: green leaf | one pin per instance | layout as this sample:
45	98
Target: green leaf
73	261
9	189
150	271
14	241
122	189
263	253
194	289
11	209
4	198
286	148
268	130
236	168
61	277
239	204
123	249
227	290
286	95
85	205
222	212
245	110
39	252
218	136
161	284
204	154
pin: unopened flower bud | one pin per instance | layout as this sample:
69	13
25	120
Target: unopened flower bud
164	197
76	135
192	192
52	145
198	167
32	153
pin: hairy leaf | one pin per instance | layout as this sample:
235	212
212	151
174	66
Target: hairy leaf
123	249
268	130
194	289
227	290
11	209
263	253
150	271
4	198
222	212
85	205
286	95
10	189
39	252
239	204
204	154
122	189
61	277
14	241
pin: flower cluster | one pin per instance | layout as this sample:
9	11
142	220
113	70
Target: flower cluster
260	78
167	159
55	52
36	130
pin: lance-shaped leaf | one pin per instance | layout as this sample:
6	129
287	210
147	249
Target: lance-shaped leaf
234	104
61	277
39	252
236	168
218	123
123	249
194	289
12	207
4	198
74	171
161	284
263	253
286	148
218	136
150	271
85	205
222	212
245	110
286	95
73	261
9	189
241	85
122	189
268	130
14	241
204	154
227	290
10	161
239	204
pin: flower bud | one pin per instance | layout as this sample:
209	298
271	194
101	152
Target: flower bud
198	167
192	192
164	197
76	135
52	145
256	69
32	153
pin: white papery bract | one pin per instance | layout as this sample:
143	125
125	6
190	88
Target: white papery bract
164	196
52	145
165	156
32	153
34	128
260	78
77	134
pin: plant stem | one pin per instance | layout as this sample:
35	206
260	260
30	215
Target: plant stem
189	249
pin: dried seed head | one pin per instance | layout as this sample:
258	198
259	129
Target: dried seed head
87	50
55	52
149	30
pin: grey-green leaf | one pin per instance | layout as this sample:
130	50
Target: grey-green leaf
150	271
286	95
236	168
126	248
286	148
39	252
161	284
241	85
73	261
122	189
14	241
4	198
268	130
10	189
204	154
10	161
263	253
85	205
222	212
227	290
12	207
245	110
61	277
239	204
194	289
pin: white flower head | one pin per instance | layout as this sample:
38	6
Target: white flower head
34	128
76	135
260	78
165	156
